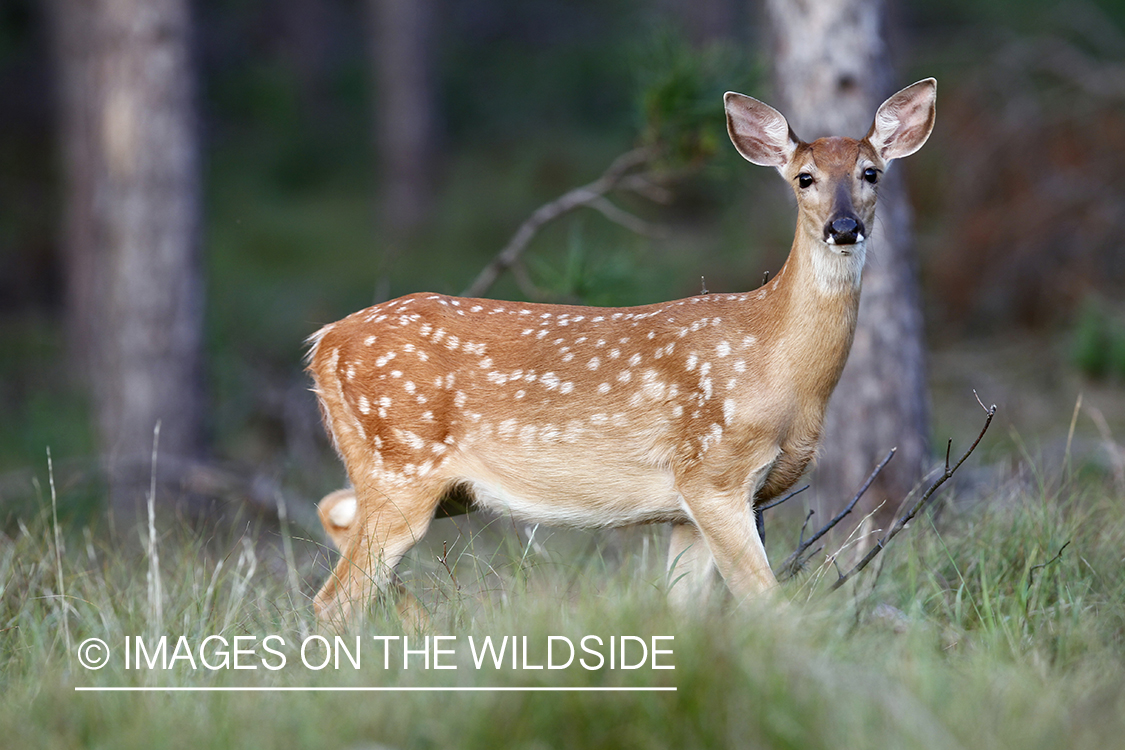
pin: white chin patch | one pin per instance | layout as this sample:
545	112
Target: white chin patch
842	273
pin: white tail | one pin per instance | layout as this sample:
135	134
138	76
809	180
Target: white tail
674	412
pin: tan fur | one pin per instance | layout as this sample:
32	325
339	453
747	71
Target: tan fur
673	412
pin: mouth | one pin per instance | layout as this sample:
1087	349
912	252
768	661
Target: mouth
845	249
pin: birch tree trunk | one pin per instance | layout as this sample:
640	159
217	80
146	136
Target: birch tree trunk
131	237
832	69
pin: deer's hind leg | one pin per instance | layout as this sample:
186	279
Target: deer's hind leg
691	568
387	523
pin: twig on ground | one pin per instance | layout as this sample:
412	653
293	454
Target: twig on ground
443	559
922	501
1055	559
796	561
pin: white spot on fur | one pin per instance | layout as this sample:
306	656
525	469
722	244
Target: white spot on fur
593	364
723	349
728	410
714	435
412	440
603	388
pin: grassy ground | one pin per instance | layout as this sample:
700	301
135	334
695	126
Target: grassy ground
975	633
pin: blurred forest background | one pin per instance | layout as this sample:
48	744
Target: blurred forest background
322	155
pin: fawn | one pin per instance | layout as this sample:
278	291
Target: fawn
687	412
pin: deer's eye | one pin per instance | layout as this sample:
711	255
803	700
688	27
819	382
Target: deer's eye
804	179
871	175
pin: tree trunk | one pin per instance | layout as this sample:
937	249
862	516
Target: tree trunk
402	43
131	239
832	70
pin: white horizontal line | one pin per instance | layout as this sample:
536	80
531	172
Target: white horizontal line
373	689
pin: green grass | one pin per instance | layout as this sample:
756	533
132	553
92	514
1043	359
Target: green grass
974	633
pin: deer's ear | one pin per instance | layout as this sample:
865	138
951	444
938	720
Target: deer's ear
759	132
904	122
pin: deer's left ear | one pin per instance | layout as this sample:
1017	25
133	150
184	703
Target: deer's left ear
904	122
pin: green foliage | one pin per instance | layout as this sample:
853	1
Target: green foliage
680	95
1098	348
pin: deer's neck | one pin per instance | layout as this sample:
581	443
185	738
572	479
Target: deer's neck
816	303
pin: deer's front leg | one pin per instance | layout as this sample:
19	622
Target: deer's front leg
726	522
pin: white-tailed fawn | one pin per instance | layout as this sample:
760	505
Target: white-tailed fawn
687	412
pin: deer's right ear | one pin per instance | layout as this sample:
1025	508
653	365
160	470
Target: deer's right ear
759	132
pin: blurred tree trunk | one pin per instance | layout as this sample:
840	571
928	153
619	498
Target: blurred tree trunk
402	55
832	70
131	237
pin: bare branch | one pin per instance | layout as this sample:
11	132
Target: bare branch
624	218
592	195
793	563
646	188
921	503
776	503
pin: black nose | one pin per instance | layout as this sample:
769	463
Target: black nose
844	231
